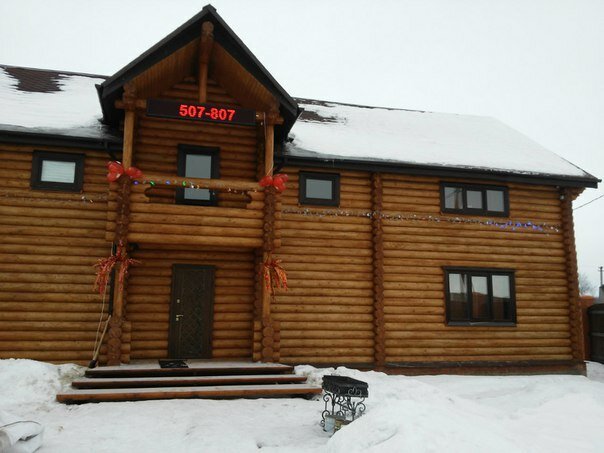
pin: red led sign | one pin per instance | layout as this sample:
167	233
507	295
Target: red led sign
164	108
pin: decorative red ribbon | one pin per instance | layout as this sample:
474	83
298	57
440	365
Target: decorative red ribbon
277	181
116	170
104	266
274	275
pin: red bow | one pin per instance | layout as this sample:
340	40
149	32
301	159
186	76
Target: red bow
274	275
116	170
278	181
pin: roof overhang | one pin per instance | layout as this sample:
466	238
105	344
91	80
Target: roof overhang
283	159
63	141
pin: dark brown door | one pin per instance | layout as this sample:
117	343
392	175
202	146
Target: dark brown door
191	312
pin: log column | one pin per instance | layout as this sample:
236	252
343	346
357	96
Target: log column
205	51
379	339
116	325
266	330
567	195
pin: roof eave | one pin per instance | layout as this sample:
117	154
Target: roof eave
588	181
64	141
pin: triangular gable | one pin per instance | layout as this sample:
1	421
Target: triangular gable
112	89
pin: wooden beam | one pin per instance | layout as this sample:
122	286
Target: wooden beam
141	104
129	119
269	140
114	342
205	51
379	340
269	334
567	195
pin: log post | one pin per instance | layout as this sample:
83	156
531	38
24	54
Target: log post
269	334
114	342
379	337
567	195
205	51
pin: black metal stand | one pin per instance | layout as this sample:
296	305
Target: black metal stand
346	397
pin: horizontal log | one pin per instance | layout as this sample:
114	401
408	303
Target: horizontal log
167	209
476	358
285	299
395	344
195	240
359	353
468	334
478	351
345	310
89	297
193	230
326	334
206	183
287	345
47	213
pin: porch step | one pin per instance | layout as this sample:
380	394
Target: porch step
186	381
195	368
202	379
213	392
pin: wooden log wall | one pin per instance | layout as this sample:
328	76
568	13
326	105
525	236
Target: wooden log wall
416	251
327	316
237	221
149	293
50	242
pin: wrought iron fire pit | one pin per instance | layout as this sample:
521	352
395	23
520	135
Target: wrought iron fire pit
346	397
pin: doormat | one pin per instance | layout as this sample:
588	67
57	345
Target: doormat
171	363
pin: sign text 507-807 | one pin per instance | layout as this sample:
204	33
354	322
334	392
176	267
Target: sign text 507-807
200	111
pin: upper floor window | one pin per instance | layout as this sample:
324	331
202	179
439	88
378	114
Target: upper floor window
480	296
319	188
474	199
198	162
57	171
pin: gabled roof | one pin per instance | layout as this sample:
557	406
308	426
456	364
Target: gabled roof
51	103
112	88
331	134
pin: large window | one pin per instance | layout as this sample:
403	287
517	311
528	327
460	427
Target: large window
57	171
319	189
480	296
197	162
474	199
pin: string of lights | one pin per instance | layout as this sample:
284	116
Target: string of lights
509	224
589	202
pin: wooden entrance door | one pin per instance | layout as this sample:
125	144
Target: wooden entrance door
191	312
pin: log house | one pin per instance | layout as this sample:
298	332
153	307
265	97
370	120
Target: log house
397	263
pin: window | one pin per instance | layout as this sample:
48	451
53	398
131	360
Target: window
197	162
474	199
319	189
480	296
57	171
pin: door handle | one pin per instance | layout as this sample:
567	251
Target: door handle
178	317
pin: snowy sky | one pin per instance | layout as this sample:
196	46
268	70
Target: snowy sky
534	65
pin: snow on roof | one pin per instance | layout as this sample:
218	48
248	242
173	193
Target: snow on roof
61	103
330	130
64	103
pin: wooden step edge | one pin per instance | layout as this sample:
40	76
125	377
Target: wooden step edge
219	392
185	381
115	372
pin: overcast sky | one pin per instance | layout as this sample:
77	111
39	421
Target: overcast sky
536	65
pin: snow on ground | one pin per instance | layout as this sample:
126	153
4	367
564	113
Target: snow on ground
416	414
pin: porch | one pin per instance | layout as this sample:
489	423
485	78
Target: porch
146	380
